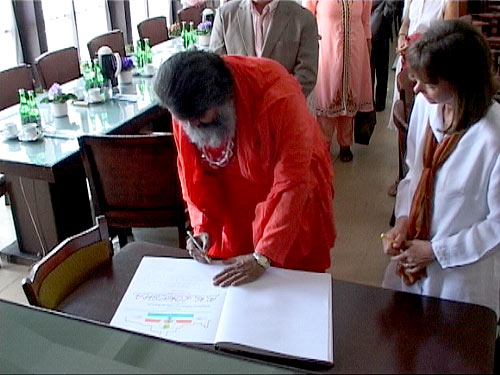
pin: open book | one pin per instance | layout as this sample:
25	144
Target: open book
284	314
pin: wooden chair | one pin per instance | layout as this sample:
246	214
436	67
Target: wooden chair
113	39
59	66
11	80
134	183
69	264
190	14
155	29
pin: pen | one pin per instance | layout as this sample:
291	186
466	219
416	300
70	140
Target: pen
198	246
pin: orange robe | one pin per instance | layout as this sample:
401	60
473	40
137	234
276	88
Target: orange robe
276	194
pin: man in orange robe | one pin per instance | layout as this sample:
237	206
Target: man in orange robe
253	164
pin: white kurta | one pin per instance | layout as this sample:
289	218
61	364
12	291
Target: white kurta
465	227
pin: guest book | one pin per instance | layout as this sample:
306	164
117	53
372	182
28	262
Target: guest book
283	314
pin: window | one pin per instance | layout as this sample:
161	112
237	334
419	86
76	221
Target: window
8	36
142	9
74	23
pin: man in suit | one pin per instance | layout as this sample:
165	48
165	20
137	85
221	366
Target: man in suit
280	30
381	21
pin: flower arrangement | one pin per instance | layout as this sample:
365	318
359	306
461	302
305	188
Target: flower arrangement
127	64
175	29
55	95
204	28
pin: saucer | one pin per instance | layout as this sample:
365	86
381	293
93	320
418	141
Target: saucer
24	138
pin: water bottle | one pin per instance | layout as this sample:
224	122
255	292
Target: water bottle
24	110
34	112
148	53
140	55
185	36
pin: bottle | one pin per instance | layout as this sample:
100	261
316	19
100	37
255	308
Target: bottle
148	53
98	77
34	112
88	74
192	35
140	54
24	110
185	36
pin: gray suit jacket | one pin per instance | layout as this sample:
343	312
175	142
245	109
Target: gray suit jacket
292	39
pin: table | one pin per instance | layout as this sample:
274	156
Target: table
38	341
46	180
375	330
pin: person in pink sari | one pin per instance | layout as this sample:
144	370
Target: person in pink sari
344	84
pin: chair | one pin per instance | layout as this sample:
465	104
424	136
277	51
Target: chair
11	80
59	66
69	264
133	181
190	14
113	39
155	29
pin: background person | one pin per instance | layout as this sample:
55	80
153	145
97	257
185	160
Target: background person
446	242
280	30
344	77
253	164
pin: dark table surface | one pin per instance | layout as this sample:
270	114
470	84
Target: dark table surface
375	330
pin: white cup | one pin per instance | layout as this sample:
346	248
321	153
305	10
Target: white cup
10	129
94	95
149	69
29	131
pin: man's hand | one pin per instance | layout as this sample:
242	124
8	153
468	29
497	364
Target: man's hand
198	245
242	269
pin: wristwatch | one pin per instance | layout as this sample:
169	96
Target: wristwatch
262	260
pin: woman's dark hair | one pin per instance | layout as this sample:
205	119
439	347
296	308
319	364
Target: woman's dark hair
459	54
189	83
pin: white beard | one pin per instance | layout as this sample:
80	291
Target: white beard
217	133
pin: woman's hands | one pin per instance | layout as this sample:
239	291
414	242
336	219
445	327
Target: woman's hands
403	44
242	269
412	257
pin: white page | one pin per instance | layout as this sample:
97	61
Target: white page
172	299
284	311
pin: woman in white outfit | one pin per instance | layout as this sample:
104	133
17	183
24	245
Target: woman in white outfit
417	17
446	240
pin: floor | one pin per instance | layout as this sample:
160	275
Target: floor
362	211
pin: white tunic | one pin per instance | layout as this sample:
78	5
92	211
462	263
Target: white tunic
465	226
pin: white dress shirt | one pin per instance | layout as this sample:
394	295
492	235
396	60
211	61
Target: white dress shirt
465	224
262	24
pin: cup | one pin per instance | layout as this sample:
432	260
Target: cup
94	95
149	69
29	131
10	129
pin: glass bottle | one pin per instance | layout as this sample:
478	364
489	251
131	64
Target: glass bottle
34	112
24	110
192	35
88	74
148	53
185	36
139	52
98	77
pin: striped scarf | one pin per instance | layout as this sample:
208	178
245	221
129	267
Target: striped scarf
419	227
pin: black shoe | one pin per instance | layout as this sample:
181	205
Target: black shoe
345	154
380	107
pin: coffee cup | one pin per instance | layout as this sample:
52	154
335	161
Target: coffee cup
94	95
29	131
149	69
10	129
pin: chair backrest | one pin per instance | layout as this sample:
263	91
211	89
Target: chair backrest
155	29
65	267
58	66
133	180
113	39
11	80
190	14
